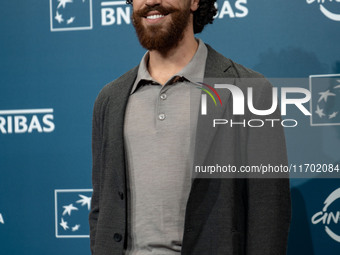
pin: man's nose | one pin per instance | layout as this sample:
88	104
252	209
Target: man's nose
153	2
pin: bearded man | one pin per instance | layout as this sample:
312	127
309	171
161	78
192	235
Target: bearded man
147	137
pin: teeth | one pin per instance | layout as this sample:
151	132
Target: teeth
155	16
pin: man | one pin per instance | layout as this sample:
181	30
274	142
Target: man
147	137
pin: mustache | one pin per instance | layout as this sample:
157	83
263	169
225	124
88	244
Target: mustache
161	9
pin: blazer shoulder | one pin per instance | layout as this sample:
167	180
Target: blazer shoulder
247	77
244	72
230	68
123	82
219	66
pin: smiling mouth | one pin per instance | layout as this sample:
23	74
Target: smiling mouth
158	16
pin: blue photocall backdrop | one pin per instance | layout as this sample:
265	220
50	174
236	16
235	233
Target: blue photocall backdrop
56	55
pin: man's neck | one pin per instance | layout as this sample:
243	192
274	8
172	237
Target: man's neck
163	66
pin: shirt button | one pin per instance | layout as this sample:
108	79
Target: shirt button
163	96
117	237
161	116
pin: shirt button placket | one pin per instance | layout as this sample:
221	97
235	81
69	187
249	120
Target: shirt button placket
162	115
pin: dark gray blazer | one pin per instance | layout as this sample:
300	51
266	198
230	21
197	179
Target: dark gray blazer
223	216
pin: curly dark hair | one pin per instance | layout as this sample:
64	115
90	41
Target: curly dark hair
202	16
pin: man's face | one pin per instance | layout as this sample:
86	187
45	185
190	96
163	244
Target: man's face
161	24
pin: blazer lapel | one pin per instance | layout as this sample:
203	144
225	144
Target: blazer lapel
217	67
120	93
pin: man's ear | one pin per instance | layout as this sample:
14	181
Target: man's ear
194	5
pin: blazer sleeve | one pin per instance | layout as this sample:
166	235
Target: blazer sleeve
268	199
96	171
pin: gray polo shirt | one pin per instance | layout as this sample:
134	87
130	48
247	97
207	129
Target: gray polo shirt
159	131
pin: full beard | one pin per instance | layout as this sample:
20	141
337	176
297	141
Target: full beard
163	37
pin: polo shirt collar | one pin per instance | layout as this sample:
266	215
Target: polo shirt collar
193	71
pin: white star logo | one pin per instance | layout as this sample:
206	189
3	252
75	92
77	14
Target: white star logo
319	111
75	228
68	209
63	3
70	20
2	219
325	95
85	201
325	101
333	115
59	17
64	224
